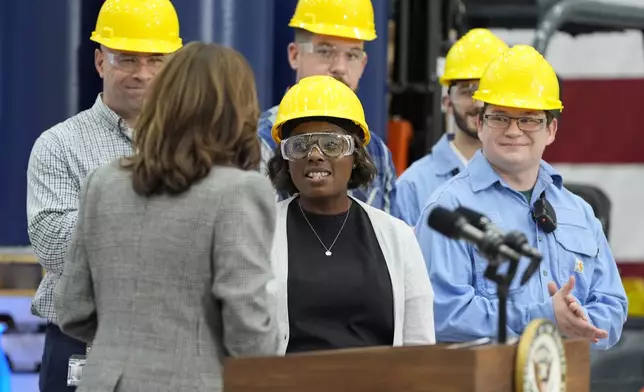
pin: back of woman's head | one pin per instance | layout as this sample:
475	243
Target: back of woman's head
201	110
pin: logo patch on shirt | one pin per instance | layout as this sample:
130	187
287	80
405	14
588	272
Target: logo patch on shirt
579	266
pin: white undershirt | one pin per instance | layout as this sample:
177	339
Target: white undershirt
458	153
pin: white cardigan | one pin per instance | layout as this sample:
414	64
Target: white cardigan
412	292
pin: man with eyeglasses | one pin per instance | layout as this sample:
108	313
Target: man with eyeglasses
329	41
134	37
464	65
577	284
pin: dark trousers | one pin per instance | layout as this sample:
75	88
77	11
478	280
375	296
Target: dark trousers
55	358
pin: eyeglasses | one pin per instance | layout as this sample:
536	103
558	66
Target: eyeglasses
502	122
464	91
332	145
328	53
130	63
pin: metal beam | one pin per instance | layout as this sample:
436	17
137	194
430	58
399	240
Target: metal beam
434	121
592	12
403	42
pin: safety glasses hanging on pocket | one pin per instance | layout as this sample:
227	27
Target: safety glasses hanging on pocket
332	145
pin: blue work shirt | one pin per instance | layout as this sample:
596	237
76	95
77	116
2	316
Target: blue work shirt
417	183
466	304
381	193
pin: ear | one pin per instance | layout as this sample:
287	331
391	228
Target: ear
552	131
293	53
364	60
479	123
99	61
446	102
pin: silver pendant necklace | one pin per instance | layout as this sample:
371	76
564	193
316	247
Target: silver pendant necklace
328	250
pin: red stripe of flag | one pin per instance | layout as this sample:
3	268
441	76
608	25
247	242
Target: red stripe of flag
601	123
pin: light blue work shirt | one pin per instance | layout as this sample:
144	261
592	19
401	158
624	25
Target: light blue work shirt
417	183
466	304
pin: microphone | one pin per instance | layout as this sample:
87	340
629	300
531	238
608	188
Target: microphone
455	226
476	219
514	239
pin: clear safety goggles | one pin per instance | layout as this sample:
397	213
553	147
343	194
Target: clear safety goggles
131	63
332	145
464	92
329	53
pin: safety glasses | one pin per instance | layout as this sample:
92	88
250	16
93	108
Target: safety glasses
332	145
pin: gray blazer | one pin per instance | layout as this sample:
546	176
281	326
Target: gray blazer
165	287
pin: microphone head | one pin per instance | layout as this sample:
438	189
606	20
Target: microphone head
445	222
474	218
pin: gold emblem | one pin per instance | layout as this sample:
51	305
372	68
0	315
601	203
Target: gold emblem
541	359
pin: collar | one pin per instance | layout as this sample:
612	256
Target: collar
483	175
110	116
446	159
270	114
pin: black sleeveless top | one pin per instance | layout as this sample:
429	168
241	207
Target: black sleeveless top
338	301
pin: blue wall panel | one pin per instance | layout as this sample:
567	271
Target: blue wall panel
283	75
373	86
246	25
39	44
47	72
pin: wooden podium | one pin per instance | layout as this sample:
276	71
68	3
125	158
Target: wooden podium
397	369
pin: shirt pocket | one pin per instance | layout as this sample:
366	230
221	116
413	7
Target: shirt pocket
483	285
488	287
576	250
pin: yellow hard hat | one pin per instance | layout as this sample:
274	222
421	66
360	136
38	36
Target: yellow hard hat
471	54
146	26
520	78
346	18
320	96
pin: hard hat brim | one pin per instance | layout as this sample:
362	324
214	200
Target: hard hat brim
139	45
336	30
449	79
519	103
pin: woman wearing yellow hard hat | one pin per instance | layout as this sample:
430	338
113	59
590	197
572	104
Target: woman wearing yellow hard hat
508	181
348	274
329	39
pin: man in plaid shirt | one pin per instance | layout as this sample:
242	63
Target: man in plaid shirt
329	40
128	58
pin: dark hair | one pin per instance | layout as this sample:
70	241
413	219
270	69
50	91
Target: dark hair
361	175
201	110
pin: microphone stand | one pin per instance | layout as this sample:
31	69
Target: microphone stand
489	248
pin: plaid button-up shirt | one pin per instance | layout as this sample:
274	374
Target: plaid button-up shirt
60	160
380	194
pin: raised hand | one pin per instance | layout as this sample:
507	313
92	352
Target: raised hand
570	316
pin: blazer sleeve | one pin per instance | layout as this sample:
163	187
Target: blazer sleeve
242	269
74	294
418	328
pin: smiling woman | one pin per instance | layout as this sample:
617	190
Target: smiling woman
348	275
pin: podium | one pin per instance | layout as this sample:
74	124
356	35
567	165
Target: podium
439	368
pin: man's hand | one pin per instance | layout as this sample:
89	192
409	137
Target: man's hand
570	316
